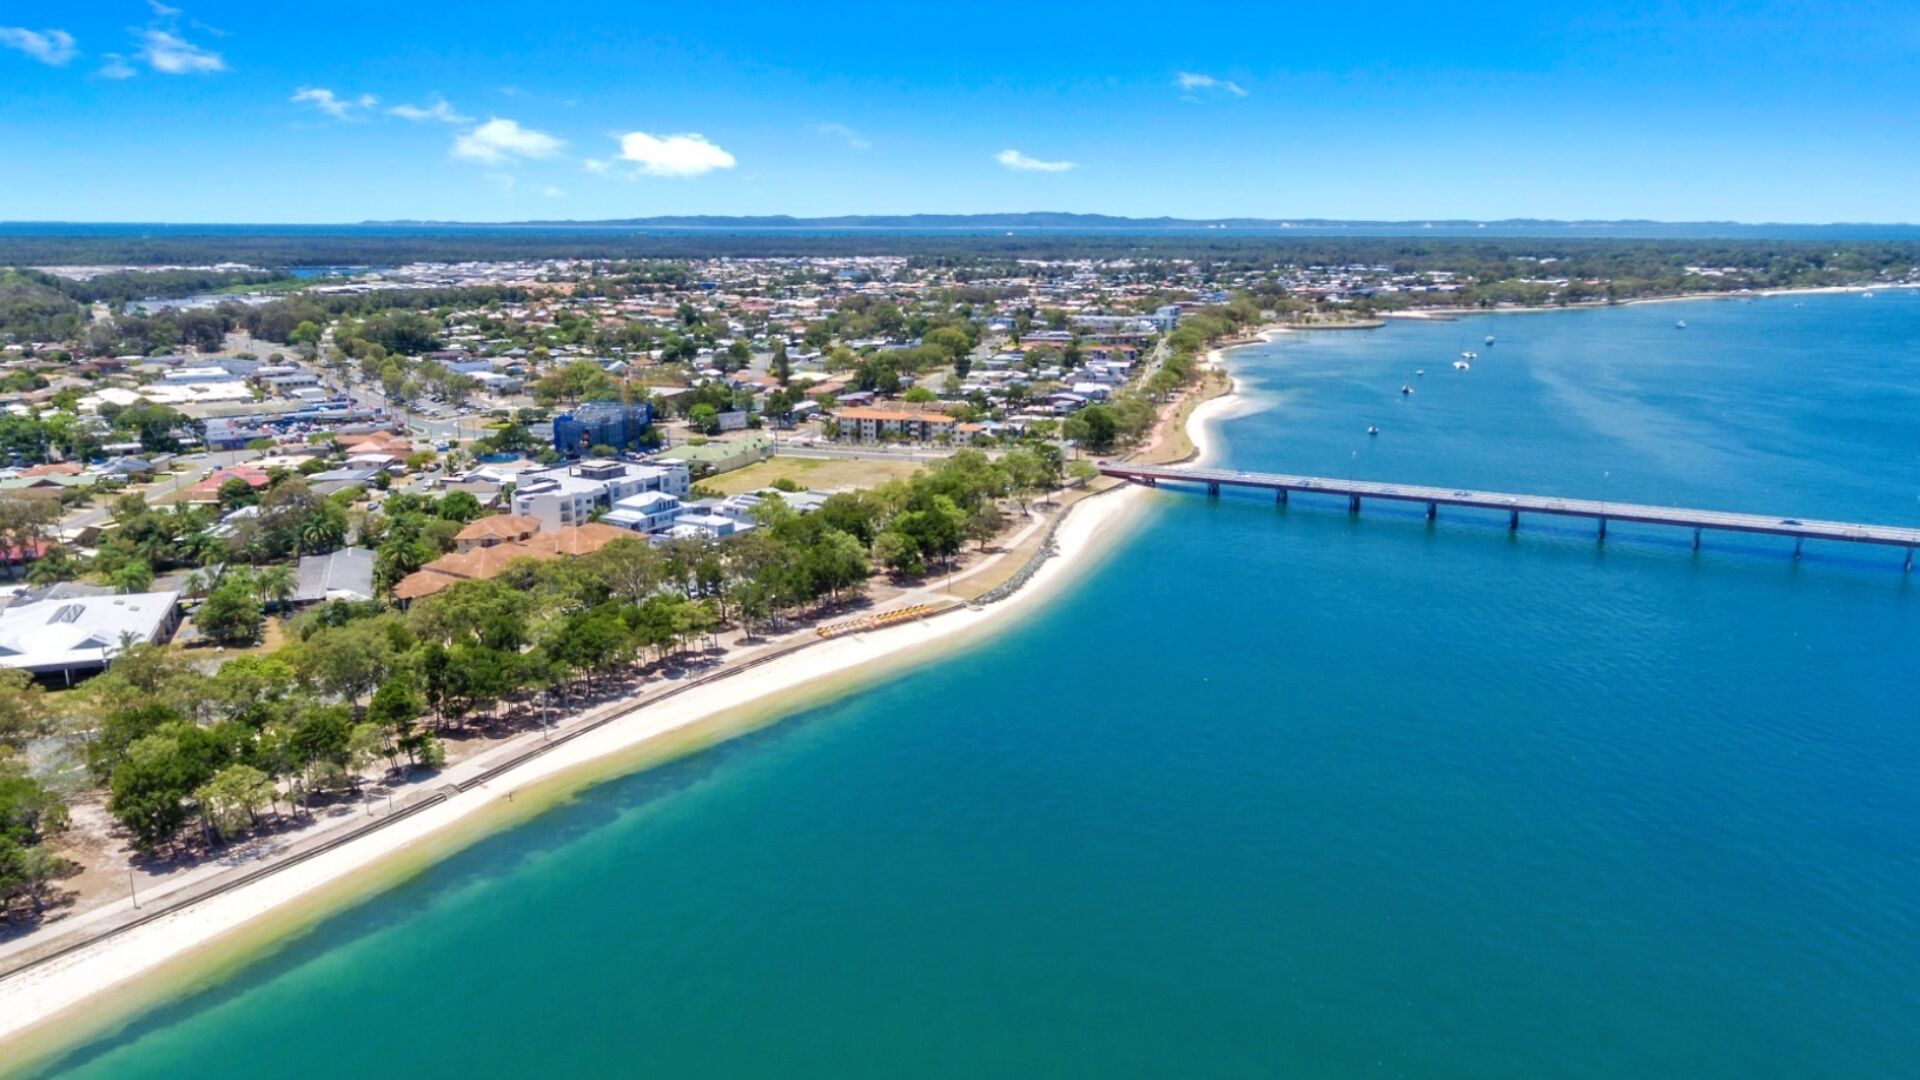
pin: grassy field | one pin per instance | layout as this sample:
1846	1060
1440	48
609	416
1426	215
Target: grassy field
819	474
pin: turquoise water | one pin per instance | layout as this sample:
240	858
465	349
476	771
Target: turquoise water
1272	792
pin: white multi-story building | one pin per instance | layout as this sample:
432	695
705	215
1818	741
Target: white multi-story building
647	512
568	494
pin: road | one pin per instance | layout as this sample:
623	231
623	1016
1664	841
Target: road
192	468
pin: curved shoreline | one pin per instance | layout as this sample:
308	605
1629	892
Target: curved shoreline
1210	413
1450	314
57	1004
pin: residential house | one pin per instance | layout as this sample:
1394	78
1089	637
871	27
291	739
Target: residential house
208	490
346	574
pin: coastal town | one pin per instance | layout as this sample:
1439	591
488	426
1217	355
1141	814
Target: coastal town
419	506
1252	541
279	545
316	553
290	560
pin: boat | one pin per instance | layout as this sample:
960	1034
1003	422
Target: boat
1461	365
1469	355
1372	430
1489	339
1405	389
1681	325
1419	371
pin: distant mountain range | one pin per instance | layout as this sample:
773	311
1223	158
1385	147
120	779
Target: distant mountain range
1048	220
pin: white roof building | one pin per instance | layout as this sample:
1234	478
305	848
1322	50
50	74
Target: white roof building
68	636
567	495
647	512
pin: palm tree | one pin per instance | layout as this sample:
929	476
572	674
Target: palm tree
276	585
203	548
132	577
45	571
321	533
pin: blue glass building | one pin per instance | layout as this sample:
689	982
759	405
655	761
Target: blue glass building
600	423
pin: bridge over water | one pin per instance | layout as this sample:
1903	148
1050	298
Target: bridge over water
1433	498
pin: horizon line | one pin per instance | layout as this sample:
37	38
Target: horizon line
847	220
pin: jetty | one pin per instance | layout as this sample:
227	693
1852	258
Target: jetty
1355	492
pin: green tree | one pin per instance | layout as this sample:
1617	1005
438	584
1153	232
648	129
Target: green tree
231	614
150	788
984	522
132	577
235	493
29	814
937	529
459	506
350	660
23	709
572	383
1094	427
835	563
233	799
899	553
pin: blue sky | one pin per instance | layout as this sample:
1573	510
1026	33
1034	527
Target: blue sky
345	111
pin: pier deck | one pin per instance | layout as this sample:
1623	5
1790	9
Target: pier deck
1514	505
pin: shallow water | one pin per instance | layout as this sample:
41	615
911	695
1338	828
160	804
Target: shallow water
1272	791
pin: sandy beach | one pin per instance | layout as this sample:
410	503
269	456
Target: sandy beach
1213	411
88	990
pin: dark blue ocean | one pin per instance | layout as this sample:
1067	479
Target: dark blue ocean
1270	792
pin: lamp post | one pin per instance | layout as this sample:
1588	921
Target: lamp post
1606	478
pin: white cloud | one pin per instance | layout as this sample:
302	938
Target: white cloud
597	166
688	154
552	192
438	110
47	46
845	134
162	10
116	67
332	104
498	141
1190	80
1014	159
171	54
